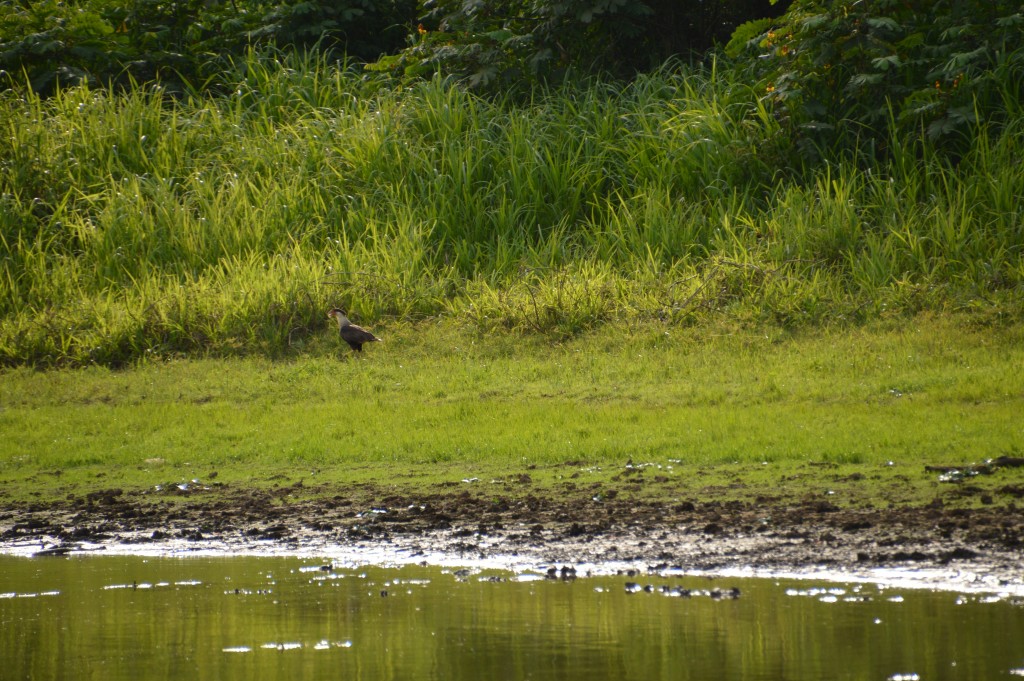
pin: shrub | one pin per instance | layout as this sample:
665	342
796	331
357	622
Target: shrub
842	70
47	44
495	44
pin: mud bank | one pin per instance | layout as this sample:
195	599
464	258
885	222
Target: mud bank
975	549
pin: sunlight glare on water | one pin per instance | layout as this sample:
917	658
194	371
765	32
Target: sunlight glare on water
131	617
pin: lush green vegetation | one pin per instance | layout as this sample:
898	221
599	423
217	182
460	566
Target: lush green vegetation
134	226
817	178
187	44
720	407
851	72
501	44
46	45
806	249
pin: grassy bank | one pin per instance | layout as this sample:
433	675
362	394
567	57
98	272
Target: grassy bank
132	226
712	412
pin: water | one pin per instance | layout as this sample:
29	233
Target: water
131	617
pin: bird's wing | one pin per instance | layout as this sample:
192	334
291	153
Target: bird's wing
357	334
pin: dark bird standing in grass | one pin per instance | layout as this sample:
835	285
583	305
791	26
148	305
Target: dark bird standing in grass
354	335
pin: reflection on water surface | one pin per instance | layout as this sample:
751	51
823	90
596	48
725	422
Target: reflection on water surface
289	618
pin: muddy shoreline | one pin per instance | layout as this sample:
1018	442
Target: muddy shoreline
982	545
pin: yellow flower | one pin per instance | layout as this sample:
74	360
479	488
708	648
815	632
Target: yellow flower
421	30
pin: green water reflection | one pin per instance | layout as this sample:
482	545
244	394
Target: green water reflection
283	618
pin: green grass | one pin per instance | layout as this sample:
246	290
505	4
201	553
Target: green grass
134	225
604	273
436	404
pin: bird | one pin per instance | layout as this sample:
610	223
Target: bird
354	335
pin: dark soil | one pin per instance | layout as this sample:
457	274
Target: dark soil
463	520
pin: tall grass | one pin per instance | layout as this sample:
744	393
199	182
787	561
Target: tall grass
133	224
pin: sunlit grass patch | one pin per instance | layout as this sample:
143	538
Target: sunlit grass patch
438	403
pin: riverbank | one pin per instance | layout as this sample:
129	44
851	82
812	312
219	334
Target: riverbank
932	546
894	444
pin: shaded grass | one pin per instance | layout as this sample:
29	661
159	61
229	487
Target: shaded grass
437	404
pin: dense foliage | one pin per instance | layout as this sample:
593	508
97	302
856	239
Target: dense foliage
842	70
497	44
494	44
56	42
487	42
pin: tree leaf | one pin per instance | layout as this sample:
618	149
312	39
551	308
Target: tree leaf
891	61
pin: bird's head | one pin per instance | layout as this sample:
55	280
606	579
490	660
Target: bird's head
339	316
